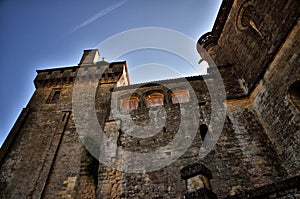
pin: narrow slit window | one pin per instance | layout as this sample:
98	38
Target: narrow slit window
180	97
155	99
203	131
294	94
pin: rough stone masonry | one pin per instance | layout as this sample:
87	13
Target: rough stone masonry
256	47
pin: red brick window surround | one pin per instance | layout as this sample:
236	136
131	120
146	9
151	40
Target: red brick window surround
155	99
181	96
129	103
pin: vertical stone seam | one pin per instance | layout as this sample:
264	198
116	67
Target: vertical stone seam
66	119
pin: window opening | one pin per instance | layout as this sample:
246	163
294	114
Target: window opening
203	131
294	94
155	99
129	103
54	96
180	97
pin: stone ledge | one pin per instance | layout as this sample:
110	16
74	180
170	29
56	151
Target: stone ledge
265	191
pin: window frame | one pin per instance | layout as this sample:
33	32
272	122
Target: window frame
54	96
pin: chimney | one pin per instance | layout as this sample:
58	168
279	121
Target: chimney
197	179
89	57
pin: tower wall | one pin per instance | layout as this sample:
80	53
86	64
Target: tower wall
272	99
250	47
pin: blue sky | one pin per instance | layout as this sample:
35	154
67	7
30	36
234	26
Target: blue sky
40	34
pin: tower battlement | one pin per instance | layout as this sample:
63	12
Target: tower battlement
110	72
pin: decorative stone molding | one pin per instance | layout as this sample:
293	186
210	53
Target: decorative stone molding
245	17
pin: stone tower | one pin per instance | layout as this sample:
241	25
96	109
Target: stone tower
256	47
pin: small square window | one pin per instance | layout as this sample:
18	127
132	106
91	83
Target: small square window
54	96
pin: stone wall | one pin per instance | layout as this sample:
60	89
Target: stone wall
284	189
257	54
251	50
241	159
271	98
27	164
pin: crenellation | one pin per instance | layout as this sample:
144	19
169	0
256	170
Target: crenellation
57	75
68	75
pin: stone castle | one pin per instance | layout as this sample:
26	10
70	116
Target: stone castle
256	47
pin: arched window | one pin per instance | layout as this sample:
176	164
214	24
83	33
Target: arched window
155	99
294	94
180	96
129	103
203	131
